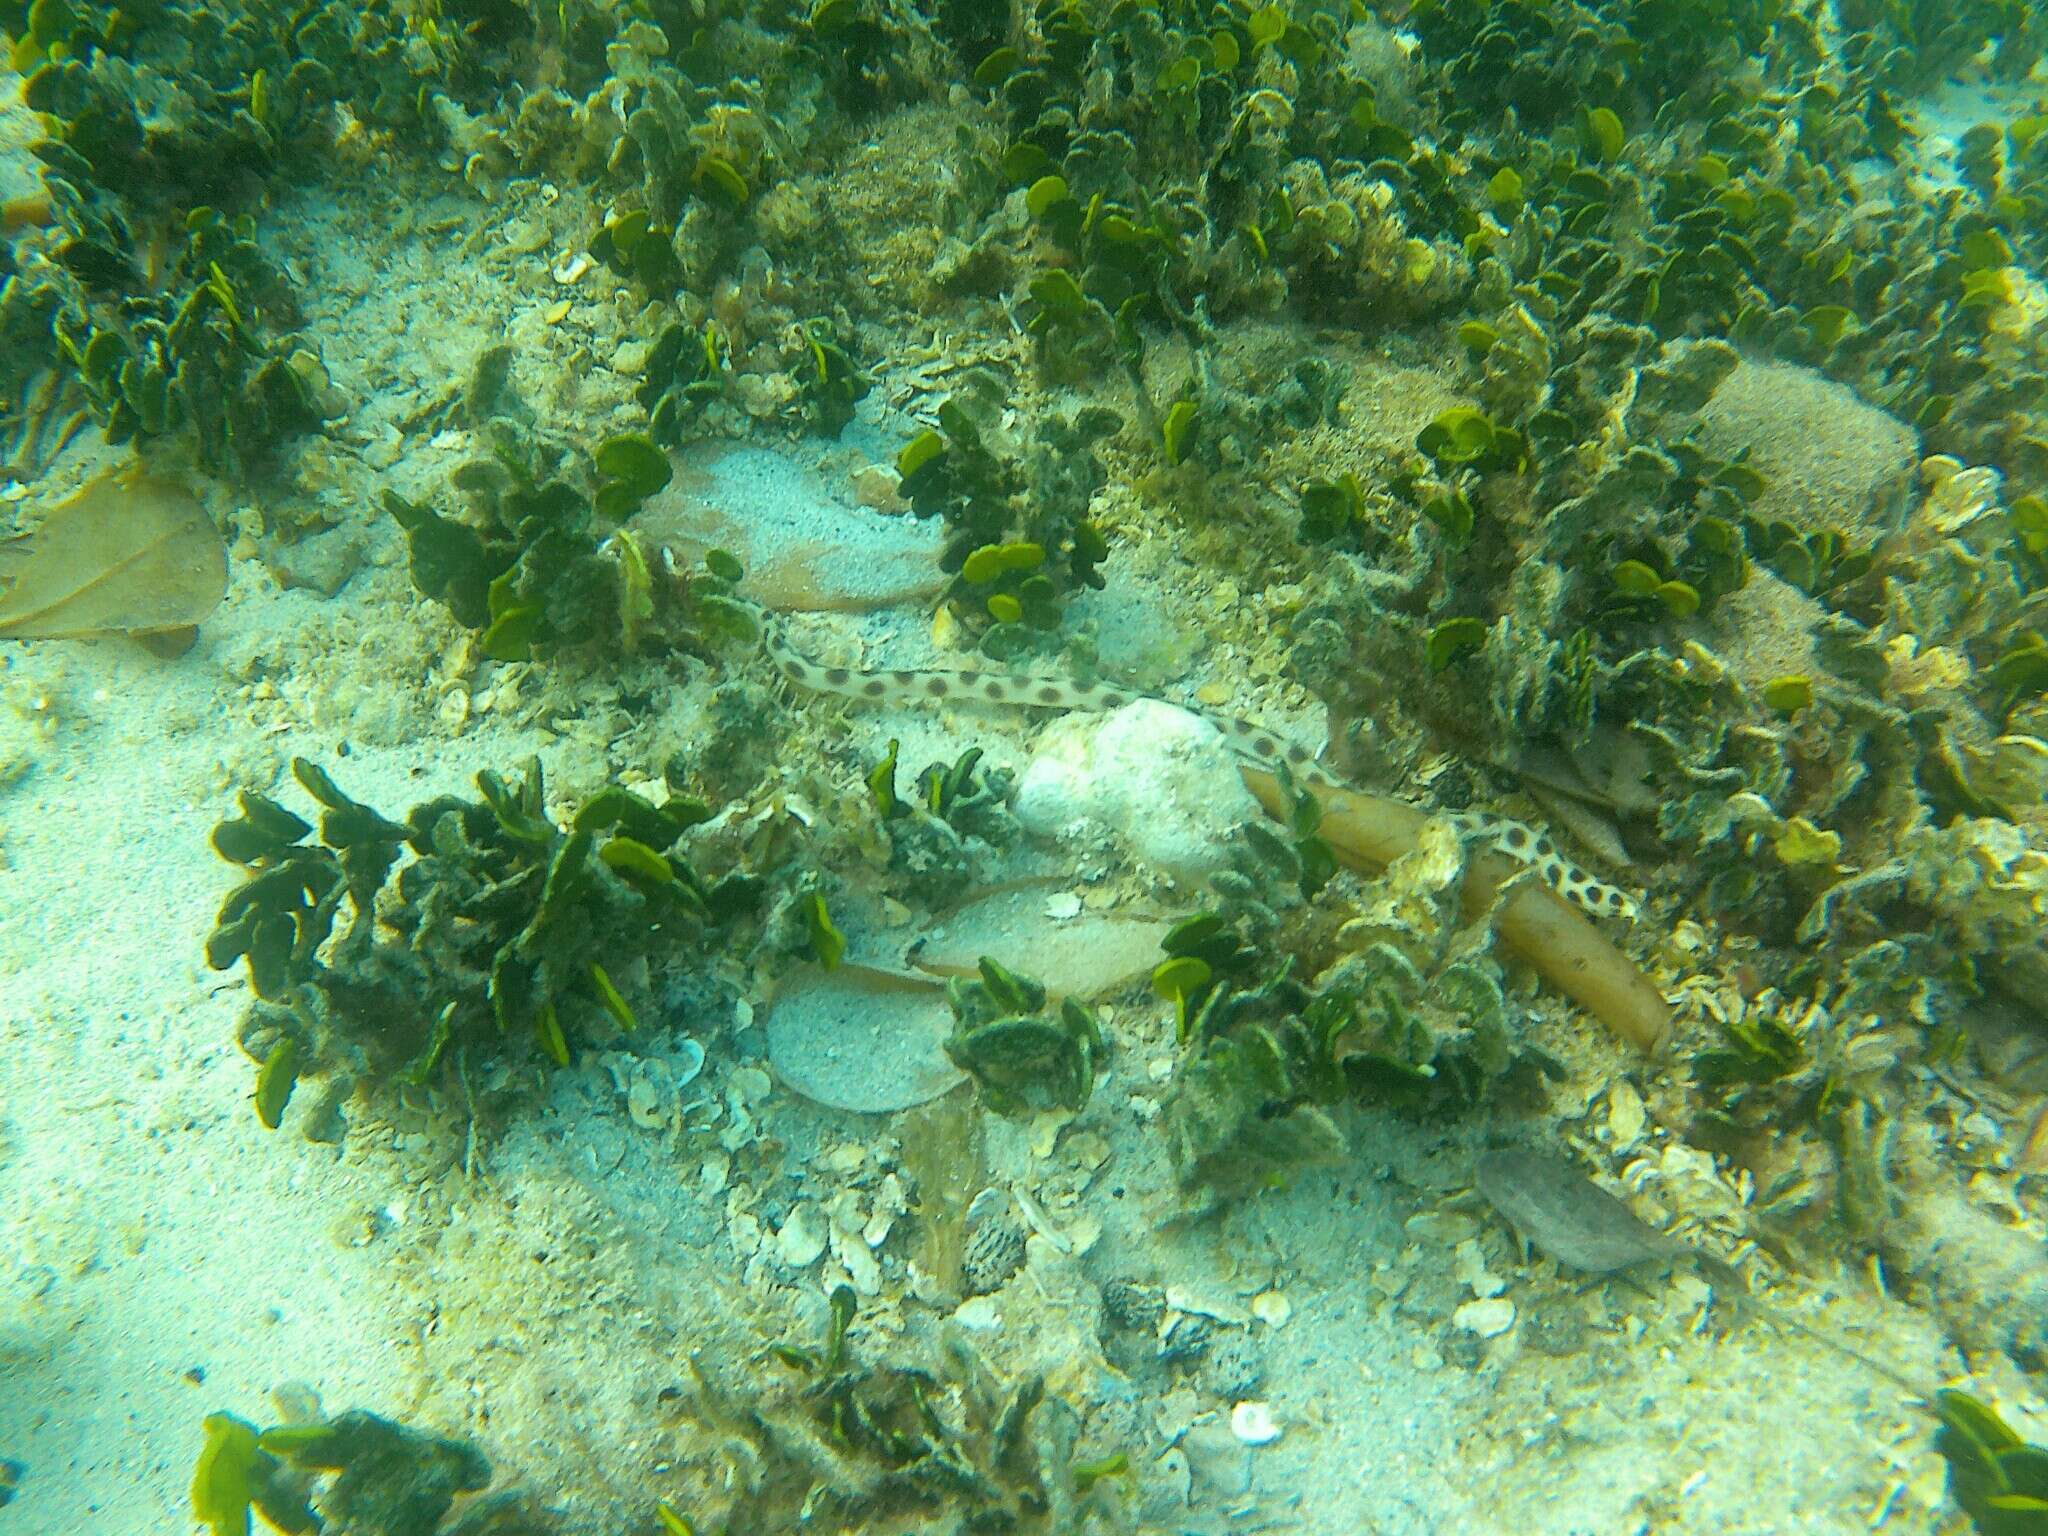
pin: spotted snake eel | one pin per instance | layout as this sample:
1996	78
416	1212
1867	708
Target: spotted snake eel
1253	744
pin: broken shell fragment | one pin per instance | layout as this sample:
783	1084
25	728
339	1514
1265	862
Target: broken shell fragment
689	1061
1488	1319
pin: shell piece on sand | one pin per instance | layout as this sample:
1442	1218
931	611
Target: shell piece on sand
860	1039
1557	1209
1084	956
804	547
127	553
1254	1424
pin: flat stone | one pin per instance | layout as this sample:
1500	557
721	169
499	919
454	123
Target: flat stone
862	1040
804	547
1080	956
323	563
1488	1318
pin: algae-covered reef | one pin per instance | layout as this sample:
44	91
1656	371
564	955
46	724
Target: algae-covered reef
1629	416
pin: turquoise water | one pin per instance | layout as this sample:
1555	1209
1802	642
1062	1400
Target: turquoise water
898	766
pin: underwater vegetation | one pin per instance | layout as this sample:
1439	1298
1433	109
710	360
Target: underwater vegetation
1264	1056
1626	240
1999	1480
1021	1055
532	566
354	1475
502	935
1013	547
940	836
936	1435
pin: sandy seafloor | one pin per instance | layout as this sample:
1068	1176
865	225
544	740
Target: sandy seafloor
162	1256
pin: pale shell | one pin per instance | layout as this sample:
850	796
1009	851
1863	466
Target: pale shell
1225	1309
1626	1117
644	1102
1253	1423
801	1239
979	1314
853	1253
688	1062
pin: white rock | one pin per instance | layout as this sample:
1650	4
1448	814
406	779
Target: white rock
1254	1424
1626	1116
714	1172
801	1239
978	1314
1272	1308
890	1202
1153	776
1488	1318
746	1234
1469	1264
861	1268
1202	1302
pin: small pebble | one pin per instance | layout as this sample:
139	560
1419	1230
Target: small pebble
874	485
978	1313
801	1238
1253	1423
1489	1318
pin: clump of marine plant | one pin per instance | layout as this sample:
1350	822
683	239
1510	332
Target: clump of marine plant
1999	1479
384	953
881	1445
1400	1012
353	1475
1018	536
540	563
146	302
1022	1055
939	836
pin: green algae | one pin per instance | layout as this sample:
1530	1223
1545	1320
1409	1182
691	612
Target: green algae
499	922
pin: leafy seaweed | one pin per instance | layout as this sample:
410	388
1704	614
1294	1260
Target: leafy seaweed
503	932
